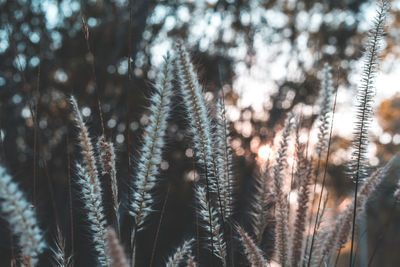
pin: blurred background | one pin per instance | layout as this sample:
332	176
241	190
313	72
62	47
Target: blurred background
264	57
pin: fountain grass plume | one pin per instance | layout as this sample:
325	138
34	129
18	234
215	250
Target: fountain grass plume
200	127
107	161
180	253
253	253
198	116
153	143
92	201
91	192
60	257
282	230
21	218
115	250
87	151
326	106
214	230
261	205
224	159
304	174
365	99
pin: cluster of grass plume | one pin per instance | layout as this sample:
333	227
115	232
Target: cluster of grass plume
294	245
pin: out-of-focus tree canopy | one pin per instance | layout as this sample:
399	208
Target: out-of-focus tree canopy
225	36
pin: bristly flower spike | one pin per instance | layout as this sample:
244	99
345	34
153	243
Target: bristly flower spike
365	99
262	204
253	252
60	257
21	218
224	159
88	155
214	230
92	200
107	161
326	103
91	192
200	127
180	253
115	250
198	116
151	152
282	230
304	174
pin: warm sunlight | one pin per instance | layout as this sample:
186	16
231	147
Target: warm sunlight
265	152
343	206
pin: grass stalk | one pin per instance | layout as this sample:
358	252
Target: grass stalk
153	252
365	96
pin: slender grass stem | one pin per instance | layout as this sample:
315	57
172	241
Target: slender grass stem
323	179
153	252
133	247
71	213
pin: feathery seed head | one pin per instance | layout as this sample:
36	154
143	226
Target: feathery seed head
282	154
302	210
282	229
106	155
326	103
88	155
60	257
115	250
107	160
365	96
92	200
261	205
223	157
208	214
253	253
21	217
151	152
180	253
90	185
198	115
